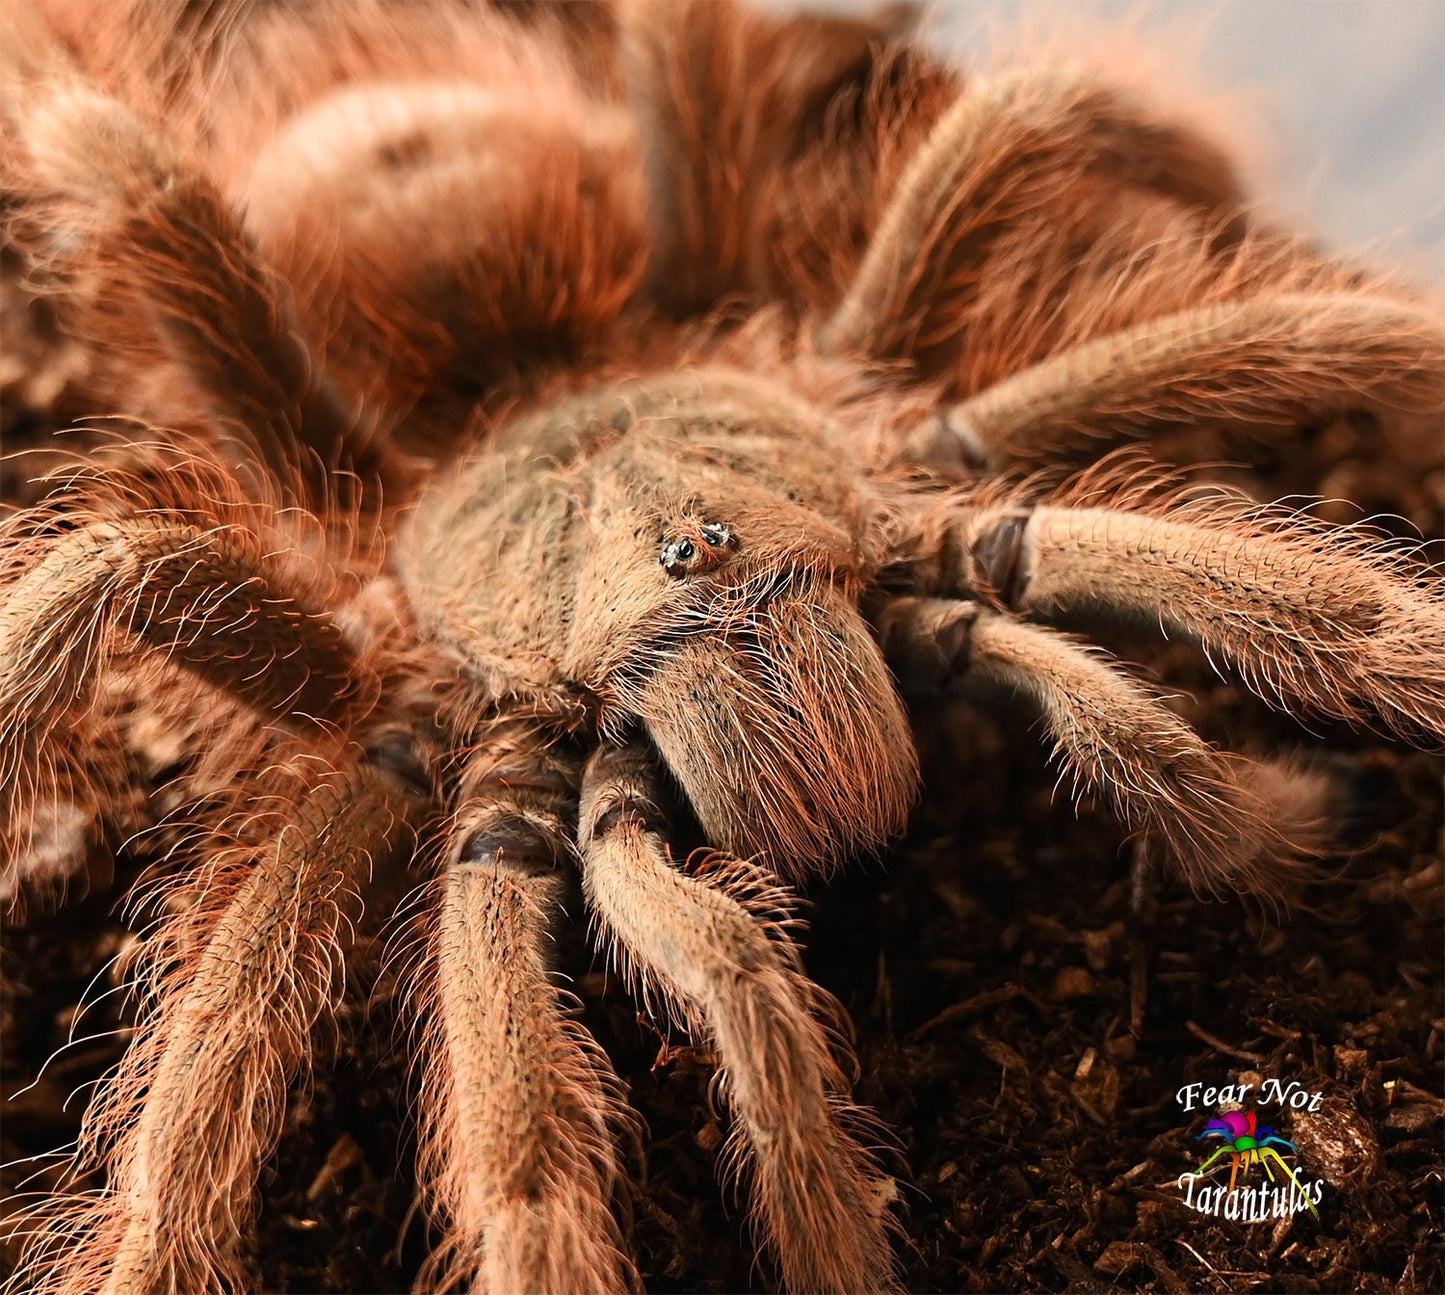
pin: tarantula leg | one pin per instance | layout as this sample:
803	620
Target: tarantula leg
520	1105
728	98
1273	360
161	231
712	945
210	597
1115	738
981	170
1324	617
237	982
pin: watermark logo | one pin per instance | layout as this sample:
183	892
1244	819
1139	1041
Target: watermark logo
1247	1145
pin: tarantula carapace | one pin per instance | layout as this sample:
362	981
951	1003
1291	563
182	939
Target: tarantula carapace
568	434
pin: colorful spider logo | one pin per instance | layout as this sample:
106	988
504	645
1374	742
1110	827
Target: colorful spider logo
1248	1145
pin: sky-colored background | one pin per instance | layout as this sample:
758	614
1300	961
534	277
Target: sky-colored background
1344	100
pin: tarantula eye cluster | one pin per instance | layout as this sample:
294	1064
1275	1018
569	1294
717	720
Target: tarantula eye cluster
695	549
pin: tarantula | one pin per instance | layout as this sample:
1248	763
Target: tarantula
568	435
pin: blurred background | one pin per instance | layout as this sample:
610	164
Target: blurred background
1337	106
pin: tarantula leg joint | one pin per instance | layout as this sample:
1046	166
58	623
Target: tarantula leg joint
947	443
397	754
998	556
508	839
620	794
926	641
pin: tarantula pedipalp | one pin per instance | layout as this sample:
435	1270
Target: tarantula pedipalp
671	556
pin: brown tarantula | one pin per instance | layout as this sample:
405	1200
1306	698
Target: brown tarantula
568	431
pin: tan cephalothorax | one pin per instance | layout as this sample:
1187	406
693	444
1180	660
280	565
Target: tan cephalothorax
571	432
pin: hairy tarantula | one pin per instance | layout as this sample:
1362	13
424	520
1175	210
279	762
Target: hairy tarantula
566	434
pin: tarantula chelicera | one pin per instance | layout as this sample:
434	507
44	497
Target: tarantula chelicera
569	433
